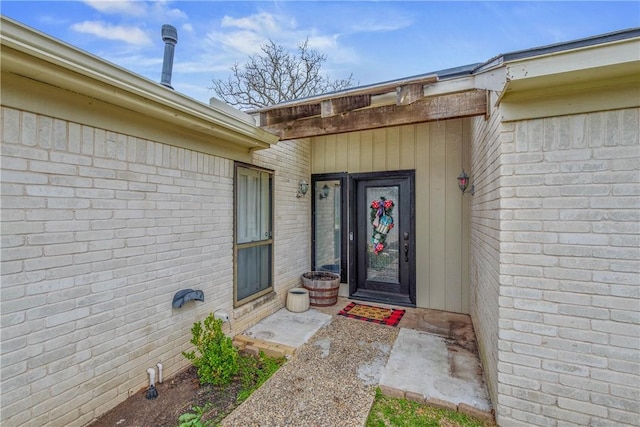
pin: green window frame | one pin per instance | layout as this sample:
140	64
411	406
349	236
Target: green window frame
253	241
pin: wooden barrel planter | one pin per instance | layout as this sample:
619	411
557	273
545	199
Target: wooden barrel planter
323	287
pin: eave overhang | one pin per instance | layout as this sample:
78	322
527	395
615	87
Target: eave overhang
588	78
35	56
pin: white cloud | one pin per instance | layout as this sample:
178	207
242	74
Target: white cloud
159	10
122	7
52	20
374	25
323	43
239	37
243	36
162	10
240	43
261	22
127	34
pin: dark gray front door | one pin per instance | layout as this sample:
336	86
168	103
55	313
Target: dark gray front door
383	241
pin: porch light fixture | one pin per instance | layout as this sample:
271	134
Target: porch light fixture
463	181
325	192
304	187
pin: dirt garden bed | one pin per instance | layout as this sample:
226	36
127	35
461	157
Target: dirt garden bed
176	396
183	392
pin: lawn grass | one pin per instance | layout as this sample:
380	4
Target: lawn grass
390	412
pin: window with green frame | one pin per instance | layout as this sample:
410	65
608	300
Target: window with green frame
253	247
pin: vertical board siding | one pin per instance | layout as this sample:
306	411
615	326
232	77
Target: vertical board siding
331	152
353	152
342	152
453	218
379	150
317	153
407	147
393	148
436	240
423	192
366	152
436	152
466	222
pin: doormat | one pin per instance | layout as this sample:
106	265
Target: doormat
369	313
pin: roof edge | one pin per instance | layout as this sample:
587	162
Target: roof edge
615	36
167	102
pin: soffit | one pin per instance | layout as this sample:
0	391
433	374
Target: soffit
594	78
576	69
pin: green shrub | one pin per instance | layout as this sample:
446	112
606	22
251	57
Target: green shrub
217	361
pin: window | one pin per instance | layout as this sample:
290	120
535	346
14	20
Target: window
329	250
253	247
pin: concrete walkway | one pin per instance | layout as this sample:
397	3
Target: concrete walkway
433	359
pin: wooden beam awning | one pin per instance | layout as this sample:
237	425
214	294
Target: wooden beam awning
355	112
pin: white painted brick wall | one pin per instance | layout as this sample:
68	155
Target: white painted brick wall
569	329
99	230
485	233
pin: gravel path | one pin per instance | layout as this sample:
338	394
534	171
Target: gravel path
330	382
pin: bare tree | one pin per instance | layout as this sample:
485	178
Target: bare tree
276	75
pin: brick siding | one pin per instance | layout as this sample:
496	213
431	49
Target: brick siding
485	243
569	318
99	230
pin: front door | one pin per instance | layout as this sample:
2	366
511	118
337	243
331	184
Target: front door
382	266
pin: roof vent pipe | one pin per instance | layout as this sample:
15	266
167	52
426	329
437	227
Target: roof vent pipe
170	39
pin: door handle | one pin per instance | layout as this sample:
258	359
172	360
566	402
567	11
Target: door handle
406	246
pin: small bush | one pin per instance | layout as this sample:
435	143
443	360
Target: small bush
217	361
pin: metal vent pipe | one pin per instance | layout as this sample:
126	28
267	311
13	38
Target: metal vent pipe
170	38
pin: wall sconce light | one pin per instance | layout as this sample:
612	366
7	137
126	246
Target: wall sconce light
463	181
325	192
304	187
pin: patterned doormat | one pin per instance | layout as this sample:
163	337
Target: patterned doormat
369	313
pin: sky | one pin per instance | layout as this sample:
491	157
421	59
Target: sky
375	41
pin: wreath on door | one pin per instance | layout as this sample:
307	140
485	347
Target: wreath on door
382	221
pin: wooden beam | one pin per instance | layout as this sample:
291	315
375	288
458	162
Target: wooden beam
408	94
443	107
333	107
337	103
285	114
376	89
